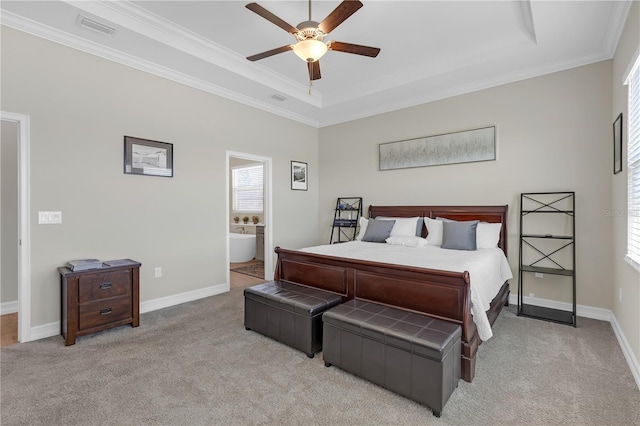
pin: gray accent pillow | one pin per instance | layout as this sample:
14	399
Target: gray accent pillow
419	227
459	235
378	230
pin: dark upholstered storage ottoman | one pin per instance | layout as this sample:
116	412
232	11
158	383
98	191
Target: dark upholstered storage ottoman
288	313
413	355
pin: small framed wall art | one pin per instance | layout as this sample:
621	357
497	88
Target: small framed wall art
146	157
299	176
617	145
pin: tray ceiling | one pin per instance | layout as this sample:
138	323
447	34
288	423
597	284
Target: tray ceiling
429	49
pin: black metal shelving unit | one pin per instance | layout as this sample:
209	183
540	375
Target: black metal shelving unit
547	253
346	219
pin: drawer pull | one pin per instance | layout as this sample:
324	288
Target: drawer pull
106	311
105	285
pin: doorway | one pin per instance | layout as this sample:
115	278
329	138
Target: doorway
14	231
249	219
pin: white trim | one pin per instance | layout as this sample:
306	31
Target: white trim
46	330
616	25
24	228
9	307
268	210
48	33
53	328
633	63
176	299
593	313
155	27
635	265
581	310
626	350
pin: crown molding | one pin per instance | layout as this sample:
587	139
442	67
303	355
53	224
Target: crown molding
37	29
462	89
154	27
615	26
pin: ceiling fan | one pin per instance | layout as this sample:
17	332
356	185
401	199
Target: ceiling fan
310	46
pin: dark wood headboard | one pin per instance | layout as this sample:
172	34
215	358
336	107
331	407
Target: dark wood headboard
491	214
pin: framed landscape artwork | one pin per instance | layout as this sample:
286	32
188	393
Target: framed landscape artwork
146	157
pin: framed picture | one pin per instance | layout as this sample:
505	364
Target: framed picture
145	157
617	145
299	176
458	147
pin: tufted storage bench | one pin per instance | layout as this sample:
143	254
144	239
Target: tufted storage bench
411	354
288	313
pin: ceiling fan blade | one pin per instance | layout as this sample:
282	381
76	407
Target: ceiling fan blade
314	70
339	15
271	52
255	7
357	49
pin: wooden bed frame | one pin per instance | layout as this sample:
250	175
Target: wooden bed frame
440	294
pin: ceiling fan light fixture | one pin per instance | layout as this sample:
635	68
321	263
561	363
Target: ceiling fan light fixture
310	50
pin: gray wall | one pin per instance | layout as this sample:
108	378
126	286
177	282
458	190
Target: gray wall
626	279
80	107
9	218
553	134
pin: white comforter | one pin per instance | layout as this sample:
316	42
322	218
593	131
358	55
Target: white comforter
488	268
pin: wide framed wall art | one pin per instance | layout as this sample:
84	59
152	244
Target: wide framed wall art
450	148
147	157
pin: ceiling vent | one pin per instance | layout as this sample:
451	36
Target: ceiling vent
95	26
278	97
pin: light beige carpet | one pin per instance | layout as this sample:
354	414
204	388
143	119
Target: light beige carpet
195	364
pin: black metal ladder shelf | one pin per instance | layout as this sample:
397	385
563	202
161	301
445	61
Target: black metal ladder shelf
346	219
547	253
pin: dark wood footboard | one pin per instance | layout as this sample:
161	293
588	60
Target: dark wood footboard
441	294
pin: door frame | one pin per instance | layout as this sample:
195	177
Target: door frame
268	217
24	229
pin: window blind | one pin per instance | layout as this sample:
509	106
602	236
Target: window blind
248	192
633	165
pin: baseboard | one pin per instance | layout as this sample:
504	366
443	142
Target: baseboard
9	307
626	350
593	313
581	310
46	330
176	299
53	329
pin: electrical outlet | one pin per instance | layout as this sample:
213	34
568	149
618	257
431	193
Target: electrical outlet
158	272
538	275
532	295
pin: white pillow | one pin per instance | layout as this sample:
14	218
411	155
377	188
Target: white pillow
488	235
434	227
407	241
363	228
404	226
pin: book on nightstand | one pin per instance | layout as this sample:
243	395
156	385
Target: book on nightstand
84	264
119	262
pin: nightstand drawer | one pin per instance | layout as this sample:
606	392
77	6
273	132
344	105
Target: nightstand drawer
102	285
104	311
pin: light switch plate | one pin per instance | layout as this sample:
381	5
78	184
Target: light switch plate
49	218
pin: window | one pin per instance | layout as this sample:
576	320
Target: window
633	164
247	184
